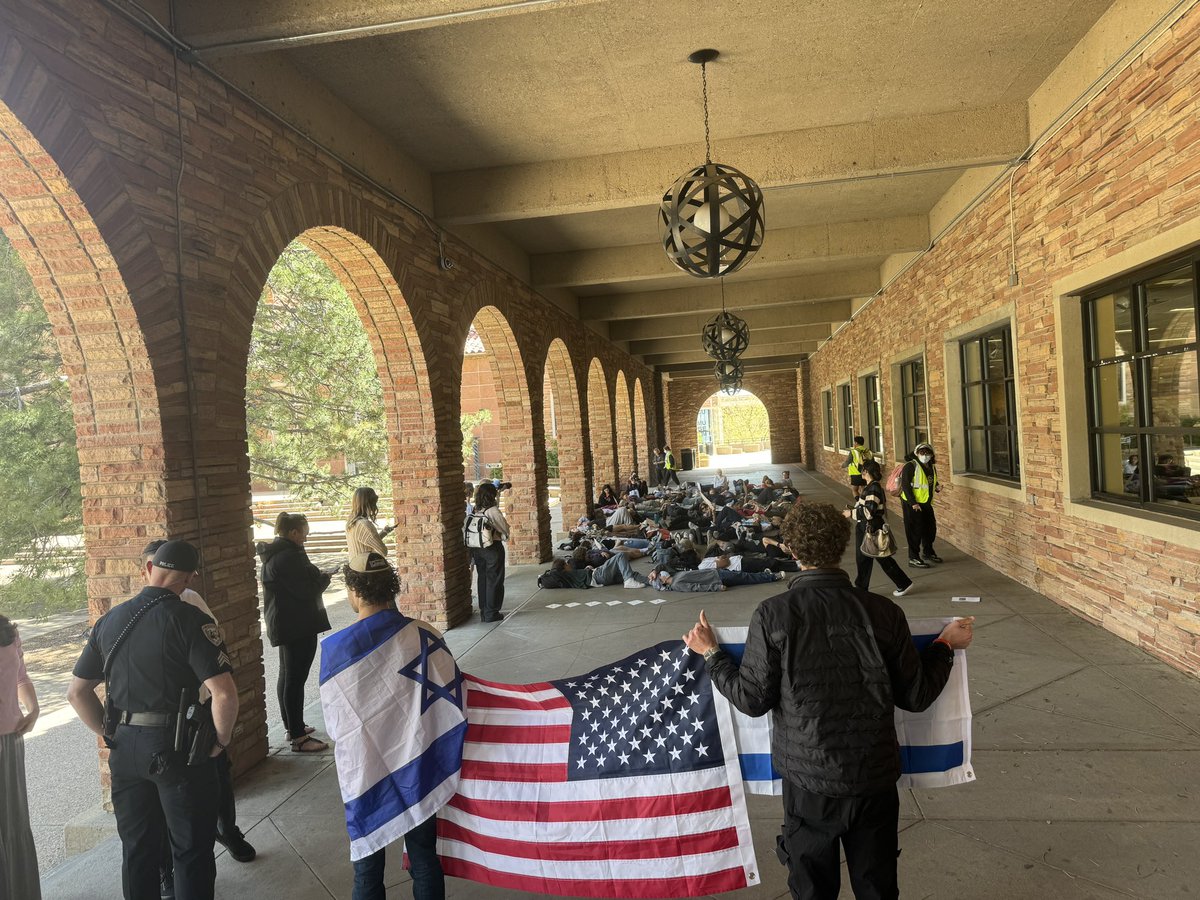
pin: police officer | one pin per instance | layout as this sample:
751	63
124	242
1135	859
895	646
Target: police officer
149	650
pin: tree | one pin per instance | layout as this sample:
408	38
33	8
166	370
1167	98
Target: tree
468	422
312	389
40	500
744	422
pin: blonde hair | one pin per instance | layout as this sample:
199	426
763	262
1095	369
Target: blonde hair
363	505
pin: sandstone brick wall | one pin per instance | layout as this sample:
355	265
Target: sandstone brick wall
1123	170
154	323
776	390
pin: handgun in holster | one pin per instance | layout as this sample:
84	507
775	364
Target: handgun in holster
201	731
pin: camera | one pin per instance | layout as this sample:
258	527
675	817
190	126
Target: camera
504	486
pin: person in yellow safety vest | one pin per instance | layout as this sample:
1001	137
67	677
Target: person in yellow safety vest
918	484
859	454
670	467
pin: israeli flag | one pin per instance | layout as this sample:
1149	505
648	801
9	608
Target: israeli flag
935	745
392	697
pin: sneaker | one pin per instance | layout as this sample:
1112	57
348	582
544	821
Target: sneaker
166	885
917	563
633	584
902	591
779	576
932	557
237	845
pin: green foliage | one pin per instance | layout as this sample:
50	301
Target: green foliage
468	422
40	502
744	422
312	388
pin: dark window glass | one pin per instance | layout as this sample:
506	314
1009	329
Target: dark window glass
827	408
874	427
846	403
912	404
1144	389
989	404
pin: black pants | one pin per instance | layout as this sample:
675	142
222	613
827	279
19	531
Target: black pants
295	662
177	799
814	825
671	475
920	529
226	811
888	563
489	565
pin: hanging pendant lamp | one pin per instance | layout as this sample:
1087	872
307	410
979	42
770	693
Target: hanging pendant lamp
726	336
729	373
712	216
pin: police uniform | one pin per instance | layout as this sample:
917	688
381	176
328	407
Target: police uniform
172	648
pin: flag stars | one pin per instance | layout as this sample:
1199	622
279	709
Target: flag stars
693	698
701	750
689	674
677	688
649	755
581	762
624	758
675	753
672	727
656	669
661	741
686	737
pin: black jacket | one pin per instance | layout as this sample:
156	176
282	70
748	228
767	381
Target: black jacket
832	662
292	588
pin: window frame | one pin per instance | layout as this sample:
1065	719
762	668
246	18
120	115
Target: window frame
911	432
1008	383
845	410
828	430
872	411
1133	283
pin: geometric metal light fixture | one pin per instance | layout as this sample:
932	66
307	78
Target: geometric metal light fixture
729	373
726	336
712	216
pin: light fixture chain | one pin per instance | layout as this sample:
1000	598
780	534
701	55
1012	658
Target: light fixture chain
704	87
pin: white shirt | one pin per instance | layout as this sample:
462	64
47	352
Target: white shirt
190	596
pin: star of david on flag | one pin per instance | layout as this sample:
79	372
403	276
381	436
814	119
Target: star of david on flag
391	695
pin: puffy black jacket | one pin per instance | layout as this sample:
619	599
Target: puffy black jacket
292	588
832	662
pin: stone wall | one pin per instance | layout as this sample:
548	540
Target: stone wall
1119	174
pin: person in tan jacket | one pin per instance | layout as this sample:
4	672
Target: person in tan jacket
362	534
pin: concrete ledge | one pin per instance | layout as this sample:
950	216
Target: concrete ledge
89	829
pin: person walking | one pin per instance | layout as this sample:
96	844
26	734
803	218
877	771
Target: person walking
918	484
658	467
670	467
832	662
870	514
362	534
295	615
859	454
371	587
150	651
18	855
490	559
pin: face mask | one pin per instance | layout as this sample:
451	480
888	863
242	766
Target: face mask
924	457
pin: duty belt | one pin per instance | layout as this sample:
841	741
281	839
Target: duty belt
148	719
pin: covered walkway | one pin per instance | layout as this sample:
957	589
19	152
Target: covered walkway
1087	752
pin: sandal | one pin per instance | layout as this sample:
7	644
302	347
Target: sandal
307	744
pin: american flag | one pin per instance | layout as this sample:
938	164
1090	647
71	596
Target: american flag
622	782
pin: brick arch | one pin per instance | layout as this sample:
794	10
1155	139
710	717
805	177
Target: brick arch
641	432
600	428
560	383
623	429
114	395
776	390
516	437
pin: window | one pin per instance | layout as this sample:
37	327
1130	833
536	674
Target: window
873	428
846	408
914	421
989	404
827	412
1140	352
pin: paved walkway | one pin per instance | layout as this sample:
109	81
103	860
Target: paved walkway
1087	753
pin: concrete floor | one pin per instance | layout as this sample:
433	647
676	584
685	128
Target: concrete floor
1087	752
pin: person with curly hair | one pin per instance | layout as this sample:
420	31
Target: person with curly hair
832	662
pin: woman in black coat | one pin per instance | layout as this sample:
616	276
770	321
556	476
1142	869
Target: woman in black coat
870	513
295	614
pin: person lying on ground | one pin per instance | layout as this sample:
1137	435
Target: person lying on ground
615	570
707	580
677	556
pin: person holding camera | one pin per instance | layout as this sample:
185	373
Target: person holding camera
362	534
153	653
487	550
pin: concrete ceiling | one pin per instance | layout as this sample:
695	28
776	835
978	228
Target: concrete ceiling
560	123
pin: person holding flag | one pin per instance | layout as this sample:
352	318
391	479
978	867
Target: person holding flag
392	697
832	662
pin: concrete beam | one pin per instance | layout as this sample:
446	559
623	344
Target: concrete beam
839	241
936	142
689	326
706	297
765	336
235	27
698	370
753	352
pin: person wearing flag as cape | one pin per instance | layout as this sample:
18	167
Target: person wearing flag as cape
832	662
392	697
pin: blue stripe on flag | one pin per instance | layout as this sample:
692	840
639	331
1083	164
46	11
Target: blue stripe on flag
735	650
921	641
407	786
915	758
343	649
757	767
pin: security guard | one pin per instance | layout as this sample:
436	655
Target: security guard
858	455
150	650
918	484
